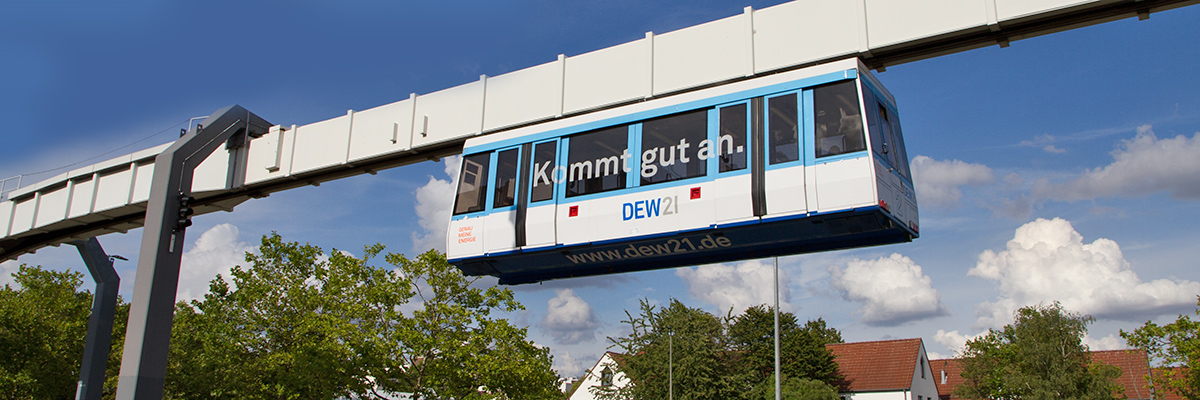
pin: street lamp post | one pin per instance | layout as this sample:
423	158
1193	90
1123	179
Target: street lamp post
777	393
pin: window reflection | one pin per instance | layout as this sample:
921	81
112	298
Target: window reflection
838	120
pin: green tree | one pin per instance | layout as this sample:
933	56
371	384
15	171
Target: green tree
1040	355
42	330
451	346
297	324
795	389
721	358
1173	345
802	348
677	340
43	325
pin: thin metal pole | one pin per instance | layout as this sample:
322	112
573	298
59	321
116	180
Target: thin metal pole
671	365
777	393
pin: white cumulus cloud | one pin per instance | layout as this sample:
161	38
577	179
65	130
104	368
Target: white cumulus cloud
938	183
1110	342
570	366
737	287
891	290
434	202
7	269
1142	165
215	253
570	319
953	340
1048	261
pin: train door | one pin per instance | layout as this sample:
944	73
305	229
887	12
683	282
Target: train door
784	170
733	204
841	167
540	212
500	225
465	233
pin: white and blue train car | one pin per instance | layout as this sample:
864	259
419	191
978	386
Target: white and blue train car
803	161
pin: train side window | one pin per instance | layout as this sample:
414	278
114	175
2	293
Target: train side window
901	153
838	120
885	128
671	147
783	128
542	174
472	184
731	144
595	161
506	178
874	111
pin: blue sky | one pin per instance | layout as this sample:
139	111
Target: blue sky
1065	167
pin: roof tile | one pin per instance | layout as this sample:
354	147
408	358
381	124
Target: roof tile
876	366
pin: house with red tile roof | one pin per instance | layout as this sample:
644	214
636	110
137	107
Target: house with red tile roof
1134	378
884	370
1135	371
949	376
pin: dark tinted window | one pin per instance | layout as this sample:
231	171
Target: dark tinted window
595	161
874	109
783	128
731	143
506	178
472	184
838	120
670	147
542	174
901	153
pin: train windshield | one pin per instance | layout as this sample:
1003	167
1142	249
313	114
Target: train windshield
838	119
472	184
886	139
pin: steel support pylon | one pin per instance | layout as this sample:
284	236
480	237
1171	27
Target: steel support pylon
151	312
100	323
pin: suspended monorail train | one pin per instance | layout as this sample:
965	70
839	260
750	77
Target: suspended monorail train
797	162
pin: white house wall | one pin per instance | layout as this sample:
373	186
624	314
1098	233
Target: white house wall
924	384
898	395
802	32
592	379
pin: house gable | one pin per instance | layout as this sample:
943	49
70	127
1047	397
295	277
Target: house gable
597	377
896	366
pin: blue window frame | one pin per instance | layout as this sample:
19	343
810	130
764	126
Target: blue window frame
541	172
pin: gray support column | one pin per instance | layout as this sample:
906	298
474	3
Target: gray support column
151	313
100	323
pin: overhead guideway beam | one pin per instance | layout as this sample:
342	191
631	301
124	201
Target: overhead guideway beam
112	196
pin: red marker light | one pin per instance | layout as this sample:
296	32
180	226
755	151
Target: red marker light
883	204
695	193
574	211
